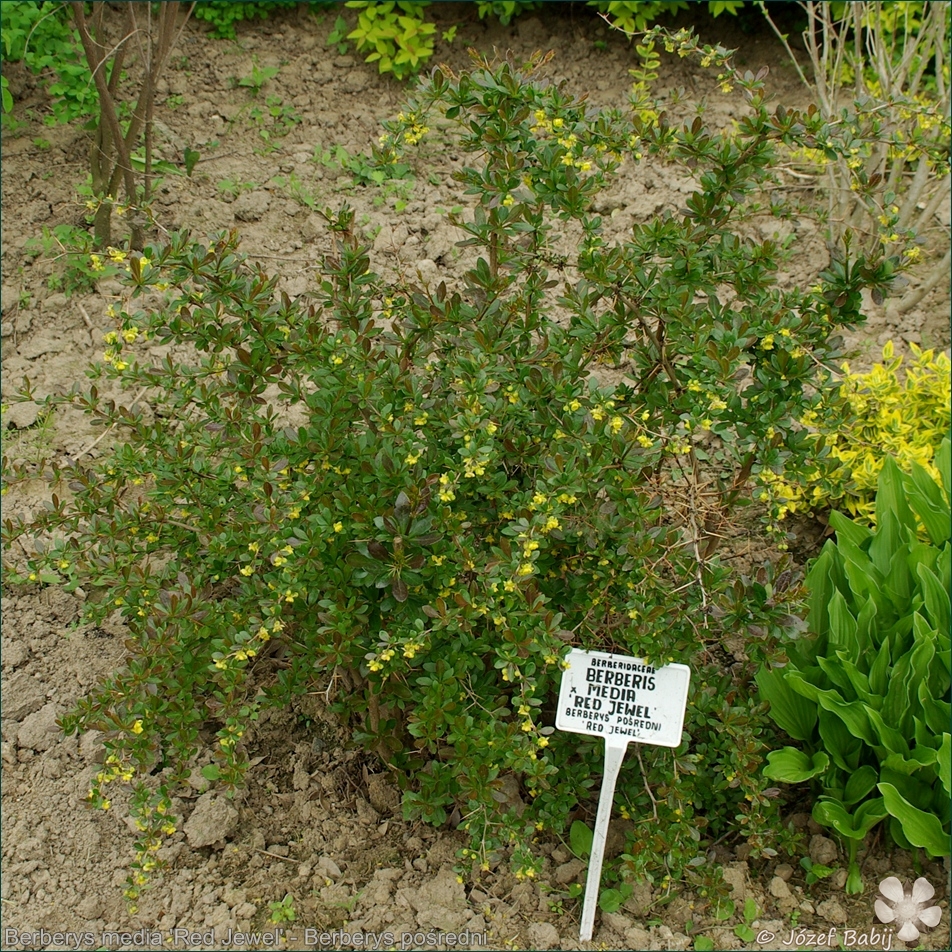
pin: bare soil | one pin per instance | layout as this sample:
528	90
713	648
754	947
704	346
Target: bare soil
319	821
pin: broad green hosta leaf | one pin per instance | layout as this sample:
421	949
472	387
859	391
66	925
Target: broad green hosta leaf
936	599
791	711
938	713
890	738
944	760
821	587
794	766
943	463
859	785
846	529
911	762
842	624
930	505
853	713
891	502
834	669
879	672
859	683
839	742
920	828
855	826
898	581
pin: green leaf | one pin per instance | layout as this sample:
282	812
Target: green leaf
211	771
832	813
849	530
191	160
854	881
943	463
927	500
610	900
852	713
944	759
859	784
936	599
891	498
889	737
842	623
938	713
703	943
794	766
790	711
580	839
920	828
839	742
724	909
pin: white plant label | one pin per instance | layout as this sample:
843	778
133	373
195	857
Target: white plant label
621	699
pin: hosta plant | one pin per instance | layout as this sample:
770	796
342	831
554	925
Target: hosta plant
867	693
415	498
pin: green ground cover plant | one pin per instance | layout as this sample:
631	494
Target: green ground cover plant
223	15
867	693
414	498
41	35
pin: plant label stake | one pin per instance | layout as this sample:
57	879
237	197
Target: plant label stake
621	699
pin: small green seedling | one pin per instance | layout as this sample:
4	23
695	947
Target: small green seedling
338	36
815	871
258	76
282	911
744	930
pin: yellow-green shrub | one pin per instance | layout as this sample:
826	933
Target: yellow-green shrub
902	415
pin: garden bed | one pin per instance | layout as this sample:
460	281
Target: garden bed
319	821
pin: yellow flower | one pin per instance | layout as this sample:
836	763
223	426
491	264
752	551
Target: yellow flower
137	727
767	342
508	201
338	526
615	423
247	570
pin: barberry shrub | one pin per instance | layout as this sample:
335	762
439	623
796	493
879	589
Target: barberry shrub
415	498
